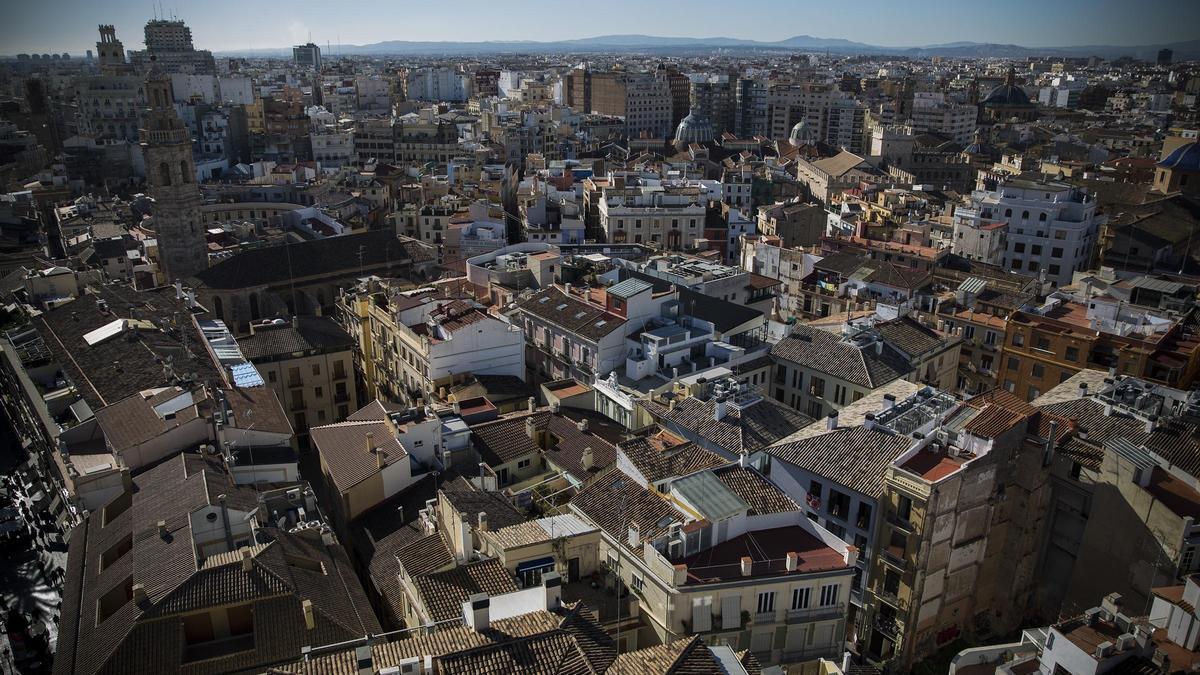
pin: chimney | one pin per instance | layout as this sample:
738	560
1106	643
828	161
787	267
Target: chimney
1049	451
530	429
869	421
831	422
310	619
247	559
365	658
582	425
793	561
747	565
889	400
1083	389
635	535
719	409
483	523
679	577
476	611
743	458
1151	423
162	528
555	407
139	594
879	348
370	441
552	587
532	404
589	458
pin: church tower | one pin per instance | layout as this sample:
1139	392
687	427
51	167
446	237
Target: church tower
110	52
167	149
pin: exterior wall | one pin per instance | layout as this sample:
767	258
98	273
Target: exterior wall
813	393
192	433
313	390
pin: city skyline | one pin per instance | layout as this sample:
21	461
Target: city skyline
1064	24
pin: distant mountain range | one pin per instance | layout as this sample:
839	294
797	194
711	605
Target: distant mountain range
1188	50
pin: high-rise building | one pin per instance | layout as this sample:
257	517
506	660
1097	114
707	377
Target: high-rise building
750	117
169	47
167	147
307	56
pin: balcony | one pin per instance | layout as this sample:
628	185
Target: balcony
890	627
765	618
295	382
893	556
813	614
343	397
901	524
297	405
339	374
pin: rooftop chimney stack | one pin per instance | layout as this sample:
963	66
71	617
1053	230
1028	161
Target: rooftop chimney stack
532	404
889	400
552	587
1151	423
310	619
476	611
483	521
589	458
247	559
162	528
793	561
635	535
831	422
719	409
869	421
139	594
582	425
747	565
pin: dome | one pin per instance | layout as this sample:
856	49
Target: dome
1185	158
694	128
801	135
1007	94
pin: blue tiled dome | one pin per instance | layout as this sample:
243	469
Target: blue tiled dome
1186	158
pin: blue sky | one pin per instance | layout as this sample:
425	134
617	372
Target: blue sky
70	25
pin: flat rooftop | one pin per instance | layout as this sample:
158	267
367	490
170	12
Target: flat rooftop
932	466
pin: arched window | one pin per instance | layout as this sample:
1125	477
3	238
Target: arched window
1008	213
164	173
184	174
1024	215
1042	217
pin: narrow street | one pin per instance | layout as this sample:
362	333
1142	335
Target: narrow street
32	558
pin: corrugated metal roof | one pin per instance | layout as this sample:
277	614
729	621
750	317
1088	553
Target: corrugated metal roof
1161	285
708	494
628	288
972	285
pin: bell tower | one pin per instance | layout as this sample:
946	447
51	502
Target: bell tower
170	171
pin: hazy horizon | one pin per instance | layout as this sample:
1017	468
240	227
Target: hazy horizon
56	26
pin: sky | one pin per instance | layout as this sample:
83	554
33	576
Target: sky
221	25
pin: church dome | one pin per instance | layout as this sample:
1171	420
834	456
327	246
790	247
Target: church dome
1184	158
801	135
1007	94
694	128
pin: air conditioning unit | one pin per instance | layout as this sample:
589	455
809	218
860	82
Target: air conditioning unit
293	495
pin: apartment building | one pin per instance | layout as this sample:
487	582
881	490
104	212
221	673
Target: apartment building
727	556
437	85
644	100
665	217
789	104
1127	468
964	511
1046	343
309	363
795	223
581	333
1051	227
932	113
412	344
977	315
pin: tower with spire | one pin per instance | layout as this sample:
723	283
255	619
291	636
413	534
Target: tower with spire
167	149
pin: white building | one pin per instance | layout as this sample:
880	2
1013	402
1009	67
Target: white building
437	84
1051	226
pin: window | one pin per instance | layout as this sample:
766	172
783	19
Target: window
1014	363
1018	339
1056	252
1033	393
1019	247
318	392
904	508
1072	354
863	520
1041	217
839	505
1036	249
1024	215
1038	370
800	598
815	488
1043	343
271	376
989	338
637	582
116	552
1010	386
829	594
113	600
766	602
